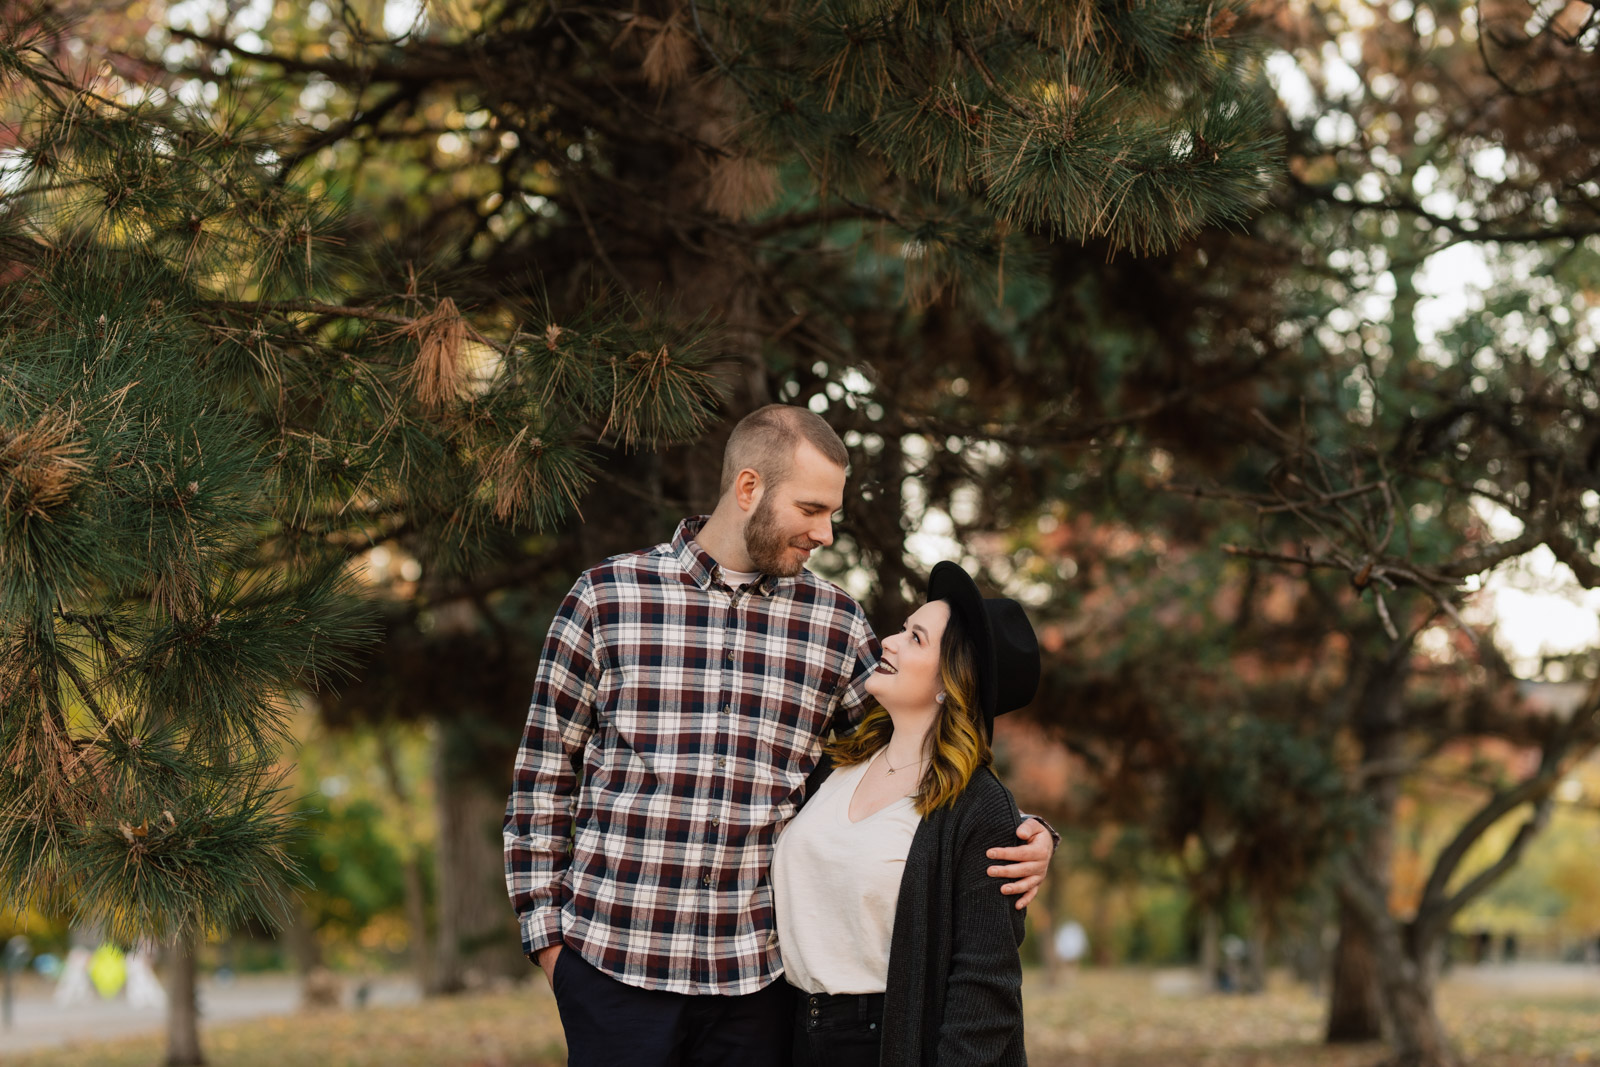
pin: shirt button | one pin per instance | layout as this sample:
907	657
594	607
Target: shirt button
705	880
730	655
713	821
721	762
727	709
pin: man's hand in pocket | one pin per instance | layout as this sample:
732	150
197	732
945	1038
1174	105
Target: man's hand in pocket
547	962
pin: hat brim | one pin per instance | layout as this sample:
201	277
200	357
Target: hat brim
950	583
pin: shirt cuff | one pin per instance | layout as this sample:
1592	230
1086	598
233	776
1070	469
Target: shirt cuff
540	929
1055	838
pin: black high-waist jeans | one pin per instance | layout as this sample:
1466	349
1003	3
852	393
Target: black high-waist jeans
837	1031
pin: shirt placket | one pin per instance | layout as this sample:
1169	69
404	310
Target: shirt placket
722	748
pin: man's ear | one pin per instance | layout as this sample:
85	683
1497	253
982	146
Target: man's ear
747	489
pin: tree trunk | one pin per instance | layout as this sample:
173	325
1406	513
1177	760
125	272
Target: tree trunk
1210	948
1355	1008
1047	912
183	1011
417	922
1420	1039
1409	972
1100	940
416	898
301	936
1254	979
478	941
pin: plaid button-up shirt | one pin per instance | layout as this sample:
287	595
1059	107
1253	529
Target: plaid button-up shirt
674	721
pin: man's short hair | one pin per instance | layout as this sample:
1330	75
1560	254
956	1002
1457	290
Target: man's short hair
766	440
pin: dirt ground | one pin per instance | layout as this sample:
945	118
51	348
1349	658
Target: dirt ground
1120	1018
1124	1019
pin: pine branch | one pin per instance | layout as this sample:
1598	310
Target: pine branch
85	691
405	94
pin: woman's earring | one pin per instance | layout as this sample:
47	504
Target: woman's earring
940	698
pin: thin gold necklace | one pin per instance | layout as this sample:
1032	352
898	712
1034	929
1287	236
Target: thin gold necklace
903	766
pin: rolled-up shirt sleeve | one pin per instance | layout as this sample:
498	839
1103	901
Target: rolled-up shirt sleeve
854	701
544	788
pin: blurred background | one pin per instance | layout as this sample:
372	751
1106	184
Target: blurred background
1252	345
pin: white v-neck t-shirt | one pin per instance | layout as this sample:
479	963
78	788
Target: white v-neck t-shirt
835	886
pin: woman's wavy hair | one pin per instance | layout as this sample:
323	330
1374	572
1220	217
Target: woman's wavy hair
957	743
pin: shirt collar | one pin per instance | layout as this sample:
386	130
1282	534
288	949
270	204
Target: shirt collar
699	565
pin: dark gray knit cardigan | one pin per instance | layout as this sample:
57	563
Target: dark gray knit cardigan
954	994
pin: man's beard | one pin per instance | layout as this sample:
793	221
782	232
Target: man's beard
764	543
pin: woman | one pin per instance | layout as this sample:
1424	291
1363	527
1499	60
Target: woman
903	949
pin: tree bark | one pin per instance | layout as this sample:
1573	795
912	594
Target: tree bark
478	939
1409	972
301	936
416	897
1100	939
1254	979
1210	948
183	1012
1047	909
1355	1009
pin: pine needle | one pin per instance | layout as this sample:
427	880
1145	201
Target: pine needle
740	186
436	375
39	465
670	55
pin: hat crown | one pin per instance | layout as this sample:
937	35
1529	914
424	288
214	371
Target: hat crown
1016	650
1005	646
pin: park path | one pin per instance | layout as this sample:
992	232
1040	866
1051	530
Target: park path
38	1022
1531	979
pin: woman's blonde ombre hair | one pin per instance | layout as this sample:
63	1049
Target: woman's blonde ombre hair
957	743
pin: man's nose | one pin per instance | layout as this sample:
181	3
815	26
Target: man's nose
823	534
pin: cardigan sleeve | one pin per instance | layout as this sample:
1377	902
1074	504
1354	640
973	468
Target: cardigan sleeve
983	997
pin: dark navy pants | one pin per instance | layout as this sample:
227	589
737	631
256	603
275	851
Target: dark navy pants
612	1024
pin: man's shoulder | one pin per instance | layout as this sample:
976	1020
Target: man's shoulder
632	567
814	589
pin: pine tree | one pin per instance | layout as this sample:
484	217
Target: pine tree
207	412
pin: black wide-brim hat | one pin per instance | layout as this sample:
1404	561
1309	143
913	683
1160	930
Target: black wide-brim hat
1003	641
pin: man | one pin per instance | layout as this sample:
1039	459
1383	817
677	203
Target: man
681	699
